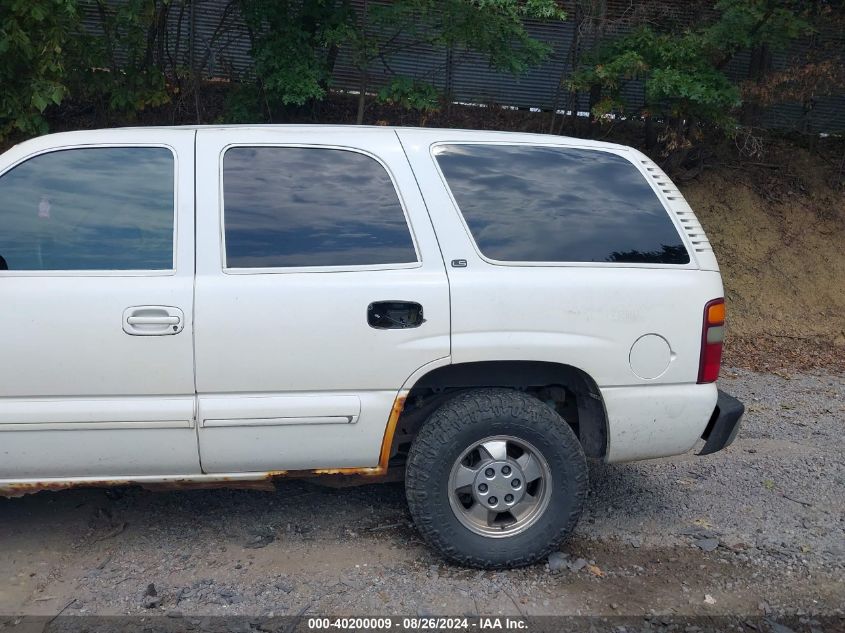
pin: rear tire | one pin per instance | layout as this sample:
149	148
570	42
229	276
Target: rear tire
495	479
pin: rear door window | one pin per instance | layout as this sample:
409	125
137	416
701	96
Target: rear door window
297	206
106	208
545	204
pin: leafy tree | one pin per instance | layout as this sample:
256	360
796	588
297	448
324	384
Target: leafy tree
294	45
496	29
492	28
33	38
121	68
680	76
411	95
683	73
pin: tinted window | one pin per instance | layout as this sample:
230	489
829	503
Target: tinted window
89	209
541	204
287	206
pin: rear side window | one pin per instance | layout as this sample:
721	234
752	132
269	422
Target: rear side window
291	206
109	208
544	204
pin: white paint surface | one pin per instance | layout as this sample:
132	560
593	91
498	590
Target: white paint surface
280	366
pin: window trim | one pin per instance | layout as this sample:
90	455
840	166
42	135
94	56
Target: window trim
281	270
108	272
621	152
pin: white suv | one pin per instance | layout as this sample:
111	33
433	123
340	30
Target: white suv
222	305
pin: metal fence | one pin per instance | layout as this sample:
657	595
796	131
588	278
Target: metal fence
211	36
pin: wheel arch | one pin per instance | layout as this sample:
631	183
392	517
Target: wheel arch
571	390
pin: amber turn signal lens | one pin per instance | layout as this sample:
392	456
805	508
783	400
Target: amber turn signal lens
716	314
712	336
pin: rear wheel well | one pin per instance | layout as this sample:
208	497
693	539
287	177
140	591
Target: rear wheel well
567	389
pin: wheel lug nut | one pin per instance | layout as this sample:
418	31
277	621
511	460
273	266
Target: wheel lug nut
516	483
482	487
493	501
508	498
506	470
489	472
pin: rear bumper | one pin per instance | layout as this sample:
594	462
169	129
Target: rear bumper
723	426
648	421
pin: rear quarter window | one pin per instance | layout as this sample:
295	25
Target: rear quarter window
546	204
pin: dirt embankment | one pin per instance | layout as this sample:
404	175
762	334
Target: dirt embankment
779	234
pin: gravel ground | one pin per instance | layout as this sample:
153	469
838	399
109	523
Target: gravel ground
778	490
756	529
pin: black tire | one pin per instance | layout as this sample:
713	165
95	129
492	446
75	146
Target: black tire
452	429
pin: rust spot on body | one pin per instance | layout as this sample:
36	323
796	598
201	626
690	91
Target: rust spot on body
29	488
180	484
390	430
263	481
364	471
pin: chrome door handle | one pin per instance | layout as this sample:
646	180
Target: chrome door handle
153	320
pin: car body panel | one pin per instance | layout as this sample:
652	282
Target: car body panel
78	395
276	371
290	332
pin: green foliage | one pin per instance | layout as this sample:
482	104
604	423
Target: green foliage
118	67
683	73
744	24
679	74
293	43
33	37
128	65
492	28
495	28
411	95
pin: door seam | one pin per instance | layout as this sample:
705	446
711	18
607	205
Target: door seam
194	315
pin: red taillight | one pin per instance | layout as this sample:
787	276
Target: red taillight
712	336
